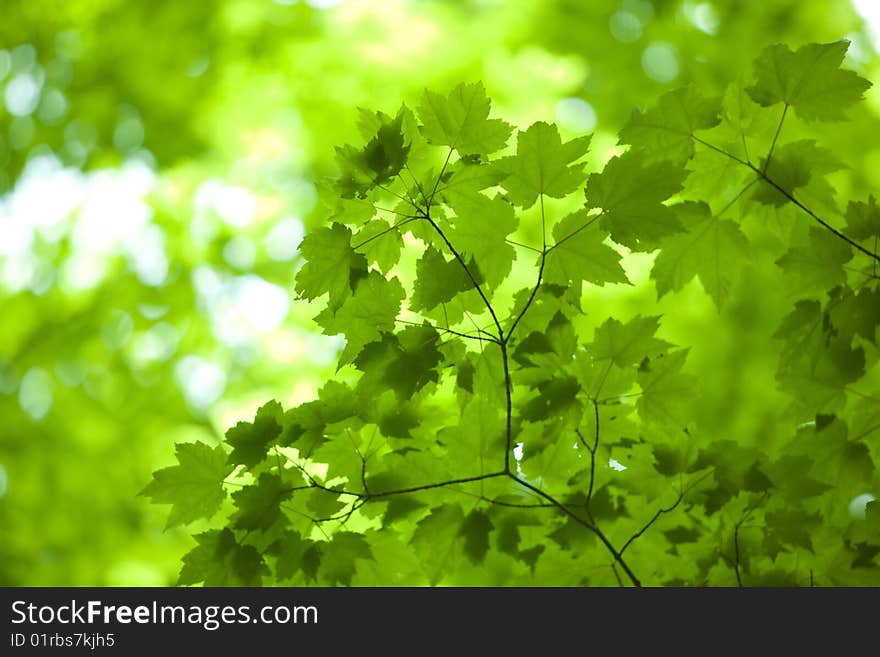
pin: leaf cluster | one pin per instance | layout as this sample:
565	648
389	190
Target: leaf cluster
477	433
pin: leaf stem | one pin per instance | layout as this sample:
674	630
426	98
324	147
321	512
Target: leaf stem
788	195
775	137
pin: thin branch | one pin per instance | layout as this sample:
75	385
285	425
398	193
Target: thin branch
790	196
617	575
469	274
592	458
439	176
737	197
775	137
402	222
441	484
535	289
441	329
405	199
725	153
508	435
745	516
589	223
586	523
417	183
524	246
661	511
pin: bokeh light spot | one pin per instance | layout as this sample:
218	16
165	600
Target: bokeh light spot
625	26
35	393
575	114
201	381
660	61
283	239
240	252
22	95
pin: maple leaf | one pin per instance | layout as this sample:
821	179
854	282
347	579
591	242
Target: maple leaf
543	164
259	506
580	253
863	219
809	80
376	163
250	440
712	249
817	266
666	390
794	165
332	266
380	243
438	280
194	487
461	120
665	131
631	194
480	229
370	310
219	560
625	344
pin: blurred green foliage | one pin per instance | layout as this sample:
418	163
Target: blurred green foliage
159	163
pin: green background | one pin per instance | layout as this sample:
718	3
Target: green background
158	166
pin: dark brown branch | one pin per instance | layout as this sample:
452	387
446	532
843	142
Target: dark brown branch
586	523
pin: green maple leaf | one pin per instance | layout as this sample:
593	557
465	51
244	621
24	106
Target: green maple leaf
295	554
808	79
863	219
258	506
194	487
543	164
478	436
465	179
339	557
362	318
436	541
332	266
461	120
219	560
666	391
380	243
816	365
438	280
581	254
631	194
629	343
792	166
665	131
857	313
480	229
713	249
376	163
817	266
475	529
836	459
792	528
405	362
250	441
790	474
555	396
